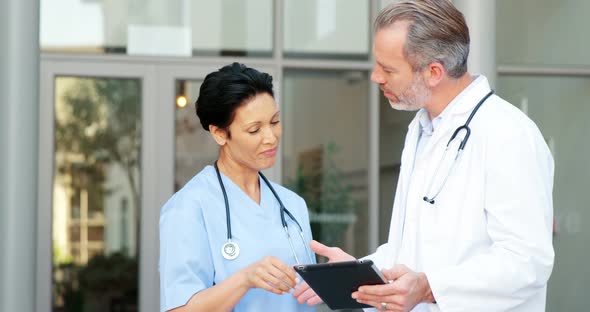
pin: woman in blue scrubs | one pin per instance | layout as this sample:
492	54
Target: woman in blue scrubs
225	241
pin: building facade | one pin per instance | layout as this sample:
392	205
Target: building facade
109	131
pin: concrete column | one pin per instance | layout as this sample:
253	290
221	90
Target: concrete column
19	131
481	19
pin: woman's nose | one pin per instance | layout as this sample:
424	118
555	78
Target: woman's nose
269	137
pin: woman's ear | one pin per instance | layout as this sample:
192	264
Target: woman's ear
218	134
433	74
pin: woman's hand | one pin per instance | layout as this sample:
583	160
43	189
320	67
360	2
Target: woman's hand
270	274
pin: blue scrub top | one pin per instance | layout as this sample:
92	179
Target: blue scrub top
193	229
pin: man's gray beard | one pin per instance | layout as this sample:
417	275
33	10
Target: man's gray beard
412	103
403	106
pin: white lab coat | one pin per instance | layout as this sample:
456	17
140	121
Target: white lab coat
486	244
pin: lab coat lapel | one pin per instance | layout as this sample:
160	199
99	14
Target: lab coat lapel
409	153
465	103
399	207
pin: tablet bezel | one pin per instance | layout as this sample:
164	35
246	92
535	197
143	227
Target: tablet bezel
334	282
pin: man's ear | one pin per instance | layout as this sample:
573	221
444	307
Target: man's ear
434	74
218	134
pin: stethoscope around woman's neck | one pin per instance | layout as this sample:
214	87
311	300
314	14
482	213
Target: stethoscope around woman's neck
230	250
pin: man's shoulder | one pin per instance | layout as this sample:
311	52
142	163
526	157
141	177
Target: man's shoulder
502	121
500	114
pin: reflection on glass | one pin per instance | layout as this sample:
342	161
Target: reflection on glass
329	28
393	126
158	27
325	152
97	161
560	107
232	27
194	147
560	39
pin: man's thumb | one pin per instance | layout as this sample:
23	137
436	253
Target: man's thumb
320	248
332	253
395	272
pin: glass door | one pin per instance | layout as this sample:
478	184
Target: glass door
96	205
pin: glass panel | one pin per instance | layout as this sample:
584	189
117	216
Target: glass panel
97	161
326	161
195	148
158	27
393	126
543	32
233	27
560	106
328	28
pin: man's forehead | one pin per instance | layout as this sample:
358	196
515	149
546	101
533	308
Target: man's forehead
388	44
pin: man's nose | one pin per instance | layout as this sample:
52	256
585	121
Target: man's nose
377	76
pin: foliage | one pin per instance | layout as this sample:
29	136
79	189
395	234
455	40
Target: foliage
99	122
98	125
95	286
106	273
333	198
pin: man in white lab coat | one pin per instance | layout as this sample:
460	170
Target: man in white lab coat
471	234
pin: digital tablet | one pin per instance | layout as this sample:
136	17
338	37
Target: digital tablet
335	282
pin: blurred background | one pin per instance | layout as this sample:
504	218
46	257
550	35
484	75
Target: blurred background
98	128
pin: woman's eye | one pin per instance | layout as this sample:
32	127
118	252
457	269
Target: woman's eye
253	131
275	122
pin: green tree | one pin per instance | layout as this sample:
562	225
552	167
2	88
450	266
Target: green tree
100	122
327	194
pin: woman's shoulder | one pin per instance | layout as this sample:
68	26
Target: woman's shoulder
191	193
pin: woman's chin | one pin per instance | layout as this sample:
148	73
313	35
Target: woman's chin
266	163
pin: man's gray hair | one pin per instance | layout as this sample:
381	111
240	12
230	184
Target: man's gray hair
437	32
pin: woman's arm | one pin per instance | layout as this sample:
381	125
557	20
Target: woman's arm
270	274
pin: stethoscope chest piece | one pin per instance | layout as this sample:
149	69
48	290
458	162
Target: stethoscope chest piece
230	250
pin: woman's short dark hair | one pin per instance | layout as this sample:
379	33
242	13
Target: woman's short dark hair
223	91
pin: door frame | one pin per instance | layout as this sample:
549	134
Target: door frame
150	193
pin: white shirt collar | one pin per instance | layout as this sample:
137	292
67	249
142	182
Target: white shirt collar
428	126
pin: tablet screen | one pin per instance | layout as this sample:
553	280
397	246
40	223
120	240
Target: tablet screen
335	282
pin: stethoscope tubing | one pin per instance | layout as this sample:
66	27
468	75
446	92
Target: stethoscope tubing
227	217
431	200
283	209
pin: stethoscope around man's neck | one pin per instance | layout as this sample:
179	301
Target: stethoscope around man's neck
230	250
464	127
